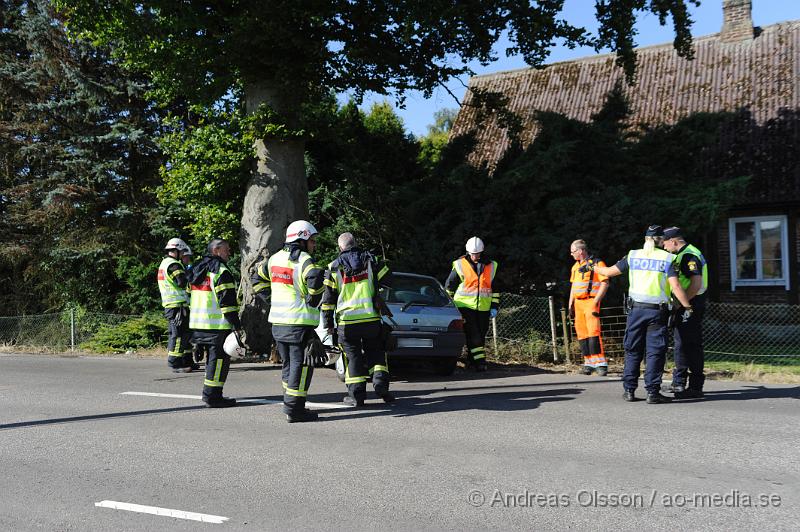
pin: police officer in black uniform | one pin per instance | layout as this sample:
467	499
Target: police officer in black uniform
688	334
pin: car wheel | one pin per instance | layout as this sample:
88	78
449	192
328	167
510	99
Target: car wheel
340	368
445	367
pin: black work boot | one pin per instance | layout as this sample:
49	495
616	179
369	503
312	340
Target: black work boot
480	365
656	398
628	396
602	371
219	402
586	370
305	415
689	394
388	397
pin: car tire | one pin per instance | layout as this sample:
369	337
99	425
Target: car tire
445	367
340	370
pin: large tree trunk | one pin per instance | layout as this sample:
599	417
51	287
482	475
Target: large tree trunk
277	194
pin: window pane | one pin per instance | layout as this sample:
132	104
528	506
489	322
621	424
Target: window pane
772	264
746	250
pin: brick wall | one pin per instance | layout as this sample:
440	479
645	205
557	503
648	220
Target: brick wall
737	20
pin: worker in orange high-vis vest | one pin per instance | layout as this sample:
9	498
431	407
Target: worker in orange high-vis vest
585	296
470	286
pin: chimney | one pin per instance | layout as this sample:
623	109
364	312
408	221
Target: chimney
737	21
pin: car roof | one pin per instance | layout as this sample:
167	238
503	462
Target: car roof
406	274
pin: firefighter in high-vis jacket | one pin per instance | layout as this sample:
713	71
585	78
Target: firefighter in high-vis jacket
652	279
692	268
214	313
351	285
293	286
585	297
470	286
172	284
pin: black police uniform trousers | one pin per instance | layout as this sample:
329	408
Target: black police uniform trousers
689	355
295	374
364	354
645	335
476	324
218	362
179	348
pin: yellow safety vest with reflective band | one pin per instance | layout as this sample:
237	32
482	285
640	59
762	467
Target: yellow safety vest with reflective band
204	311
474	291
172	295
647	276
683	279
355	303
288	303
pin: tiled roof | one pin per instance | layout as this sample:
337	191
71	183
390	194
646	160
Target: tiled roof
760	74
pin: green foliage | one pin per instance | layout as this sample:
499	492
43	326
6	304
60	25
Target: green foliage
603	181
432	144
78	156
136	333
141	293
207	170
360	166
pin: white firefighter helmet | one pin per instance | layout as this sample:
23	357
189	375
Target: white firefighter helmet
186	249
474	245
300	230
176	243
232	347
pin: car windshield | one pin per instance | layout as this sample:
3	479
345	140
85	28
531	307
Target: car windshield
415	290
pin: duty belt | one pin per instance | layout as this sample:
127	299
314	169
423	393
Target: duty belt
651	306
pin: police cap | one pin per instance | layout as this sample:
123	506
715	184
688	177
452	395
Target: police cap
654	230
672	232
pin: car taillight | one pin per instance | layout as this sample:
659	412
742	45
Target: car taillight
456	325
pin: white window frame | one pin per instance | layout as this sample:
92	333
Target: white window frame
758	281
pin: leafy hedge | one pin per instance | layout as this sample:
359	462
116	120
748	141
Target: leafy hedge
136	333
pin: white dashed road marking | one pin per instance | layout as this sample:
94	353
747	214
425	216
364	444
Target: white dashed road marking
309	404
166	512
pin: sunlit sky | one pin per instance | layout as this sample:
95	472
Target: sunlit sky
418	112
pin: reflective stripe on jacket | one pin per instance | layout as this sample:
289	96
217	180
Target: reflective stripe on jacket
172	295
586	285
355	303
474	291
647	275
205	312
289	290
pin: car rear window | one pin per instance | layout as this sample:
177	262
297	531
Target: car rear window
421	290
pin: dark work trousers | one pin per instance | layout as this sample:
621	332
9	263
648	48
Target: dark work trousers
364	355
689	356
296	376
179	348
645	334
218	362
476	323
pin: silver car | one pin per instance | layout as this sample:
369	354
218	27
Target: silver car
426	322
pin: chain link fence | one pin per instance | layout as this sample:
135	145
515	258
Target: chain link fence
59	331
536	329
527	329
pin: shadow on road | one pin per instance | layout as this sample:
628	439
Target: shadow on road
415	403
748	393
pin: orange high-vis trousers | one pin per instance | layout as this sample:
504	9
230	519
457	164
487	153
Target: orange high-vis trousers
588	329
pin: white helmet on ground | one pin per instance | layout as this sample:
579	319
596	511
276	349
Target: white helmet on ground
300	230
474	245
176	243
232	347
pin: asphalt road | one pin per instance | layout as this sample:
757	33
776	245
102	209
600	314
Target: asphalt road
503	450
